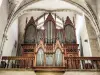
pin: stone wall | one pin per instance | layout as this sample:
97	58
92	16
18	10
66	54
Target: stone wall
3	18
10	46
85	41
92	39
93	5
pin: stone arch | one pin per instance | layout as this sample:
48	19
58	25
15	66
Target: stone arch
94	44
90	15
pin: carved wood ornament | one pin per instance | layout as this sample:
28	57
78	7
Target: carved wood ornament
53	48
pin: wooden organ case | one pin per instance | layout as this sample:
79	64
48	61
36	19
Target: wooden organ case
49	46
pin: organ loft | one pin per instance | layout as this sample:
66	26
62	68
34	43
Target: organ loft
50	37
49	45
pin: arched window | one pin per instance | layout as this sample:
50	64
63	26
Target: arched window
58	57
70	34
30	34
40	57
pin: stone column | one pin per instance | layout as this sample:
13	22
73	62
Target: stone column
93	40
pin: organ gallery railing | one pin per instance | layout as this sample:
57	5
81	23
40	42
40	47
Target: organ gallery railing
17	62
69	63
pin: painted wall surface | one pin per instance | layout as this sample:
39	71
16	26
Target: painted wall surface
12	38
3	17
98	11
98	17
85	41
92	39
93	5
79	25
81	32
1	2
95	46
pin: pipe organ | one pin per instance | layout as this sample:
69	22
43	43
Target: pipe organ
49	46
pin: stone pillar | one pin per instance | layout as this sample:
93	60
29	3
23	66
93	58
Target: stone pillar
93	40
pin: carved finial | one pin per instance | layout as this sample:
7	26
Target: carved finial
49	13
68	21
50	18
31	21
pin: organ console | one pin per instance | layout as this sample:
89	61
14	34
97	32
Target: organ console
49	46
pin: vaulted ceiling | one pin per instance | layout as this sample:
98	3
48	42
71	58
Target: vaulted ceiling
62	8
45	5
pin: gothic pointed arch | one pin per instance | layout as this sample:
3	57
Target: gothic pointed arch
69	31
58	57
40	50
40	57
30	32
50	28
58	45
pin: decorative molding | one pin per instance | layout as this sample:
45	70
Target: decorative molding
93	15
58	45
16	13
41	45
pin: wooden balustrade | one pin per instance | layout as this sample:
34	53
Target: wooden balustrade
17	62
69	63
82	62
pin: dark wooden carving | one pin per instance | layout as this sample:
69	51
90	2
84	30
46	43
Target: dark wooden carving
49	40
30	32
